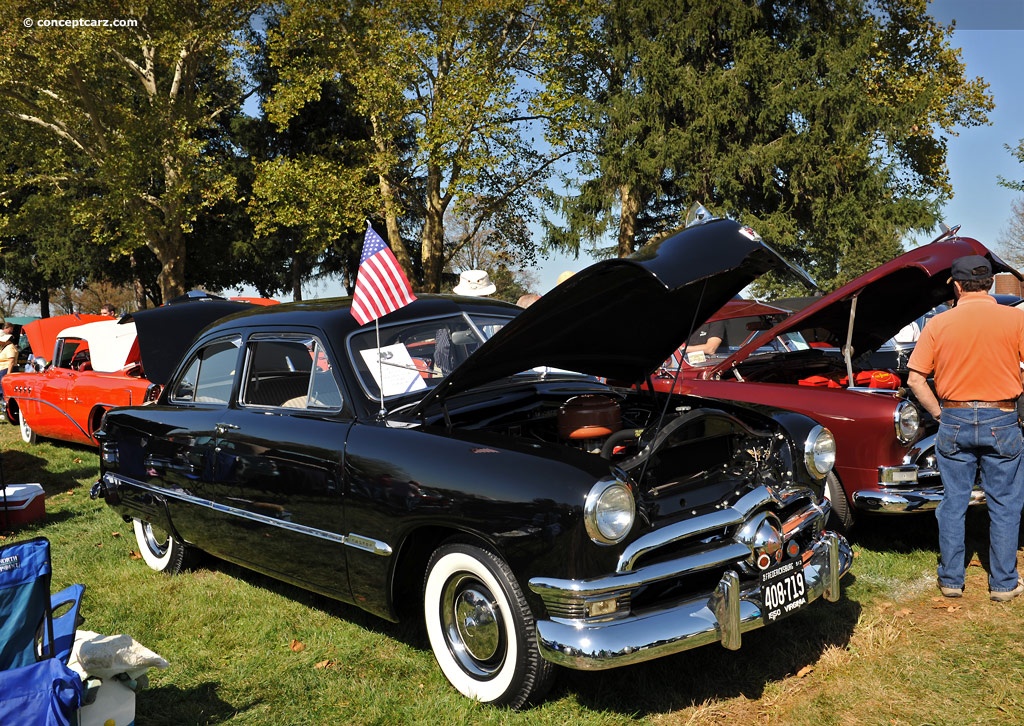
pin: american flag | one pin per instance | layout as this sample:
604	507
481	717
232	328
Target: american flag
381	286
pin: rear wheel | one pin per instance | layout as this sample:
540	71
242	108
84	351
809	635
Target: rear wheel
27	434
481	629
161	550
841	517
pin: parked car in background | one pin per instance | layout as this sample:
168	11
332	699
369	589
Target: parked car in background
884	443
530	513
97	363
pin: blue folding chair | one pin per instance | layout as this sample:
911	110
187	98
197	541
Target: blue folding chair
36	685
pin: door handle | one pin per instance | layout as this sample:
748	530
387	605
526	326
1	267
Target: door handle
223	428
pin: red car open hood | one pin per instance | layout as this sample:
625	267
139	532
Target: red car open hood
887	298
622	318
42	334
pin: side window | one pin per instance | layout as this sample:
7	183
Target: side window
289	372
210	374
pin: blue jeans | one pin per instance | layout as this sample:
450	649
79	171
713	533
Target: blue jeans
989	439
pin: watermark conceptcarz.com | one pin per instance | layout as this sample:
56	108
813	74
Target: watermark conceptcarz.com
80	22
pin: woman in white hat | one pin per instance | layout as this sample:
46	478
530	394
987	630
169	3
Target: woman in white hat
8	350
475	283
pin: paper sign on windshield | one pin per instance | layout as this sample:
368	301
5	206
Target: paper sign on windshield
393	370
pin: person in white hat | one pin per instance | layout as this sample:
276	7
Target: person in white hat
475	283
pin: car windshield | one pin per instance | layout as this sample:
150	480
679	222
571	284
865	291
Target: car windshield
415	355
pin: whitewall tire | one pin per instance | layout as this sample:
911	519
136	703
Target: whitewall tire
27	434
481	629
160	550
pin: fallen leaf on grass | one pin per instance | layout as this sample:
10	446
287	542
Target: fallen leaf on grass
297	645
805	671
974	563
903	613
324	664
77	460
115	534
133	555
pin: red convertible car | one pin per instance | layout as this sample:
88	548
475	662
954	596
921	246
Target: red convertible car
99	363
884	444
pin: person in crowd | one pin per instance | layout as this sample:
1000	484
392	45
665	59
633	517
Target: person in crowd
8	350
706	339
108	309
974	351
527	300
475	283
909	333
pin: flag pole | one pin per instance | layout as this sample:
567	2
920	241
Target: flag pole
380	365
380	360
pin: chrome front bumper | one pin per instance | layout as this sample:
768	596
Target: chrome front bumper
914	486
722	615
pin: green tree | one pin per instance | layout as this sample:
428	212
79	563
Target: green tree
136	112
1018	154
311	193
450	77
821	124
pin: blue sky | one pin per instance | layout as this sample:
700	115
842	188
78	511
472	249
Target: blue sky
977	157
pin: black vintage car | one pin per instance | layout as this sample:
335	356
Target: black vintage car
467	464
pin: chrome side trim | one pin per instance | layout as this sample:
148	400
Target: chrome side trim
357	541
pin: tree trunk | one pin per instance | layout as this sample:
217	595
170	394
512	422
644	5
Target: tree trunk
168	245
627	223
391	207
433	232
298	269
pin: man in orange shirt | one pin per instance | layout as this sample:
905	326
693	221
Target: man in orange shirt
975	351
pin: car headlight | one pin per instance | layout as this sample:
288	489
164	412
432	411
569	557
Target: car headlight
908	421
820	452
610	511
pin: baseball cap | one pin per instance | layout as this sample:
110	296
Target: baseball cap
970	267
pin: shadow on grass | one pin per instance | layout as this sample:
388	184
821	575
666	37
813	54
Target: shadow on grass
21	466
680	681
898	533
200	706
913	533
408	631
711	673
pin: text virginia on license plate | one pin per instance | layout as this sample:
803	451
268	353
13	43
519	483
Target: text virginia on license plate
783	589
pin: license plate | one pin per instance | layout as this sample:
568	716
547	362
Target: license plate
783	589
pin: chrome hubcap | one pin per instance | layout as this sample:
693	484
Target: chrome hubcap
472	624
156	544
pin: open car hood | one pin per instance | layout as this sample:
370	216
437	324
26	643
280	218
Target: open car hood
622	318
42	333
166	332
887	298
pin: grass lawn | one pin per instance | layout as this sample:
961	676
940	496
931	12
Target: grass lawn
244	649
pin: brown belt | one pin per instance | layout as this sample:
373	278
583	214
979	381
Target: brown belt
1009	404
